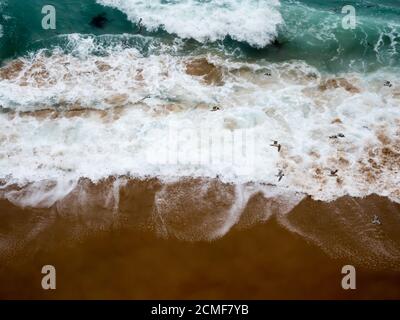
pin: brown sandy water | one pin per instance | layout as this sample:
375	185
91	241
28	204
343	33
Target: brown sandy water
131	252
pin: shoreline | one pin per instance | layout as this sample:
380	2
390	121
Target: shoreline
230	149
298	255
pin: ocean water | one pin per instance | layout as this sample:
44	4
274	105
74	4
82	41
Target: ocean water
144	95
307	30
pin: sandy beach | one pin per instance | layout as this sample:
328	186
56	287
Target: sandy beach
125	256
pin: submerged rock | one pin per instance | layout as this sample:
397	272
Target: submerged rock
211	74
338	83
99	21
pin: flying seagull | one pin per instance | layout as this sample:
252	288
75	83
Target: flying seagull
388	84
280	175
276	145
376	220
340	135
334	173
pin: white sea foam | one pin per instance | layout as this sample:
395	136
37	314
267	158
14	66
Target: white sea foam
252	21
214	207
46	153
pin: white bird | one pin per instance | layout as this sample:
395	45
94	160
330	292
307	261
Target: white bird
376	220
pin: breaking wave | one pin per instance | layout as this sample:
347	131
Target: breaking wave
67	116
251	21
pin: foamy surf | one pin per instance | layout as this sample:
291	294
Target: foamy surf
78	115
193	119
251	21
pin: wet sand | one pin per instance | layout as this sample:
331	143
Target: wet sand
294	256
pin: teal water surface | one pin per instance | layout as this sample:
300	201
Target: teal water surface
312	31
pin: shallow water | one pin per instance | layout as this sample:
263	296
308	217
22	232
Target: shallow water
135	254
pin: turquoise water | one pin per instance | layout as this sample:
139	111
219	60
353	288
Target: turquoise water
311	31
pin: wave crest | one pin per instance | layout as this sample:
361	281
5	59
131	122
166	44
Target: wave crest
251	21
